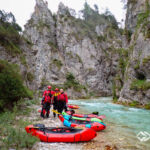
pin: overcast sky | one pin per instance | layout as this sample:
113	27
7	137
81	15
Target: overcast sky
22	9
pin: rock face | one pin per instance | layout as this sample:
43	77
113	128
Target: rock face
134	8
40	30
60	45
65	51
137	85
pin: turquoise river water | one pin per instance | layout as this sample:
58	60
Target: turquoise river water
123	123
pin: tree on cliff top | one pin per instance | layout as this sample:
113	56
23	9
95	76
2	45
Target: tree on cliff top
92	16
9	32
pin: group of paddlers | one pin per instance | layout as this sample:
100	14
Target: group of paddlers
56	98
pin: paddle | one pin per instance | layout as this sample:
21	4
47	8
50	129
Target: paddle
77	127
55	111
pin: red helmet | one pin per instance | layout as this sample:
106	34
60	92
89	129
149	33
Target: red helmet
56	89
49	87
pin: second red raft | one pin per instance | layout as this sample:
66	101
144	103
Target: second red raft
97	126
85	115
73	106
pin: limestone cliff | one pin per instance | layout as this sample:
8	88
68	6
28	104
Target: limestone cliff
137	81
63	44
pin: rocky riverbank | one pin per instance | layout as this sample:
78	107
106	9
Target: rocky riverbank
50	122
99	143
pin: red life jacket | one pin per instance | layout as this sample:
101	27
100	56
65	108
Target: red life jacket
62	97
47	99
50	93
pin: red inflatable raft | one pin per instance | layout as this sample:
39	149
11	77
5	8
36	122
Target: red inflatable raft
85	115
61	134
97	126
73	106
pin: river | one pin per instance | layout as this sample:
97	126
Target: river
123	123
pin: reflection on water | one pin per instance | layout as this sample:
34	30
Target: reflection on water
122	122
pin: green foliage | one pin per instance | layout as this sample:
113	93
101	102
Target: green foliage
147	32
23	60
30	76
71	82
111	32
53	46
142	85
101	38
11	85
142	17
87	11
69	54
122	64
110	18
92	94
41	25
147	106
134	104
128	34
123	59
70	77
93	18
58	63
65	18
12	132
28	41
115	99
118	81
44	82
137	66
17	138
79	58
143	20
146	60
9	33
84	28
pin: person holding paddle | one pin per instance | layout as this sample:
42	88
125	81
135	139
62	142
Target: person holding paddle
55	101
62	101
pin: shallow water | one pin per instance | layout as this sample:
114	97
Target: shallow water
123	123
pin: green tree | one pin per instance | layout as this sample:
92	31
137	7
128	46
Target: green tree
96	8
11	85
87	11
9	33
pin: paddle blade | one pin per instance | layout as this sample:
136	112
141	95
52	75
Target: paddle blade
55	111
